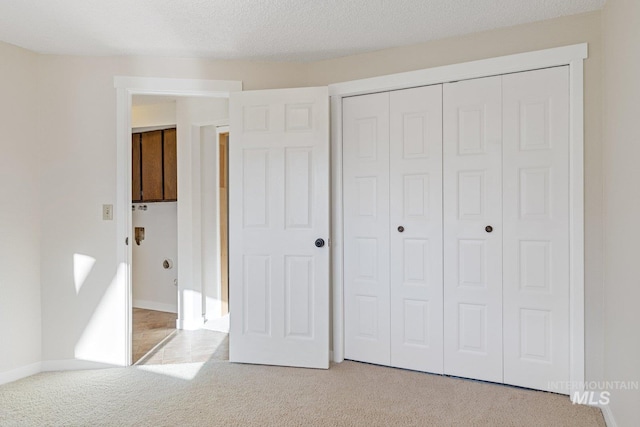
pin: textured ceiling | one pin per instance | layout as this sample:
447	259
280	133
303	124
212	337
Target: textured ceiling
282	30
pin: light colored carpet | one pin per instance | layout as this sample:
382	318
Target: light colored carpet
218	393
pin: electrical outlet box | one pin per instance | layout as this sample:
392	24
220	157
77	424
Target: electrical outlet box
107	212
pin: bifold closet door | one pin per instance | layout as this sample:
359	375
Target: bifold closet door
366	228
472	146
416	228
536	228
392	160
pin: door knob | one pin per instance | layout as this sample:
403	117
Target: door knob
488	229
319	243
401	229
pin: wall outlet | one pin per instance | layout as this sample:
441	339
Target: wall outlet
107	212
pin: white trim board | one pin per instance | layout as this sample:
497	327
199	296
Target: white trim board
607	413
73	365
463	71
573	56
20	373
152	128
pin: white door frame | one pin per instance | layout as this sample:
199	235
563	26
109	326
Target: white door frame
126	87
574	57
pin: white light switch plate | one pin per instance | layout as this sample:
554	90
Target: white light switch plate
107	212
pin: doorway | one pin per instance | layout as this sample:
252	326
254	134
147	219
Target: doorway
190	290
154	222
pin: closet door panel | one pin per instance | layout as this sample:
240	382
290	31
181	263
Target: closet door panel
366	227
416	248
536	224
472	145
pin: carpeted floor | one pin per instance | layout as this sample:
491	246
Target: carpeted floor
218	393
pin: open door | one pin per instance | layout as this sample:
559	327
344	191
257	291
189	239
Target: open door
279	227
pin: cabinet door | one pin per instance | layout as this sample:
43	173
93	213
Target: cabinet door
136	177
536	224
151	147
170	166
472	153
366	227
416	248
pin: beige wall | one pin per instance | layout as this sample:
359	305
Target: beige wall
20	337
153	115
621	157
524	38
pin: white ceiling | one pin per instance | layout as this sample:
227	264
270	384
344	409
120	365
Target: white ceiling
282	30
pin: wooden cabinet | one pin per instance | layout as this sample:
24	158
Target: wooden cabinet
136	159
170	162
154	166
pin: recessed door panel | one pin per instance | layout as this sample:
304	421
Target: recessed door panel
256	303
416	323
472	329
255	206
536	228
299	187
416	196
416	260
299	296
472	144
366	227
415	159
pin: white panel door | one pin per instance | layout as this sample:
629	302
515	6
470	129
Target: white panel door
365	128
279	206
416	228
536	228
472	145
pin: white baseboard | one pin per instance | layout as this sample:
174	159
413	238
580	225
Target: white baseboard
190	324
218	324
608	416
74	365
157	306
20	373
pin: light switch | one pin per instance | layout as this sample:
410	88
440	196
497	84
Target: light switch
107	212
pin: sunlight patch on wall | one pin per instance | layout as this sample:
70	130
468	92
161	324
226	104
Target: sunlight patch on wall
82	266
103	338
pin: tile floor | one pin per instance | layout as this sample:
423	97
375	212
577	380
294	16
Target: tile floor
150	328
190	346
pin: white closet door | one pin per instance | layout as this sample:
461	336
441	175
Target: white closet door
416	250
472	147
536	228
279	206
366	227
